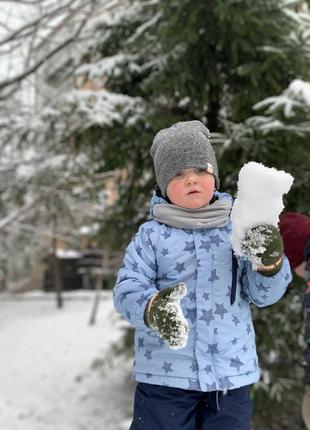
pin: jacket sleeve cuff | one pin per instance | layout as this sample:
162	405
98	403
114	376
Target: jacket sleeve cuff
138	318
272	269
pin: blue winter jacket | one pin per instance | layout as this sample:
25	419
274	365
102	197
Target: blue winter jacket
220	352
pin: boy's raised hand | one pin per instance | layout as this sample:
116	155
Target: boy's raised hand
263	245
164	314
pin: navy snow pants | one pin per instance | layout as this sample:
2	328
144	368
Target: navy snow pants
158	407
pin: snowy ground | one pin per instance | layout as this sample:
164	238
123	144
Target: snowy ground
47	381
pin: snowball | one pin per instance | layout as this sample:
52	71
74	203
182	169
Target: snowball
259	199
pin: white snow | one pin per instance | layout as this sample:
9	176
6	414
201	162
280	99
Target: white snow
99	106
68	253
300	90
46	375
296	95
107	66
259	199
140	30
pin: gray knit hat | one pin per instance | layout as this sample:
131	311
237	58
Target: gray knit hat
184	145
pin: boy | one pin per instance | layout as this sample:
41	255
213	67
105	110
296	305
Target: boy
295	230
194	361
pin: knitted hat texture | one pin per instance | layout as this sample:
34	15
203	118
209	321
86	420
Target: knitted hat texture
182	146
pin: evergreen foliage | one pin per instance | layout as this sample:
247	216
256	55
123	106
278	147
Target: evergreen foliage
214	62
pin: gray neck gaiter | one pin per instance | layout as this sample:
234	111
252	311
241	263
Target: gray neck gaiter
211	216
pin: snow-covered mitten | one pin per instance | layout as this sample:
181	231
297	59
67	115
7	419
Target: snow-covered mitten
263	245
164	314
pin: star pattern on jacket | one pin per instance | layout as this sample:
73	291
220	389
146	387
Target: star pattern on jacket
153	266
234	341
213	276
167	367
192	296
220	310
191	315
141	299
236	320
149	231
206	296
161	341
225	382
179	267
139	250
205	244
208	368
262	287
207	316
166	234
194	366
148	354
236	362
212	348
216	240
221	352
190	247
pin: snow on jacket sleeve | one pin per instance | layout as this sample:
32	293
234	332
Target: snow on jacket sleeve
135	282
264	290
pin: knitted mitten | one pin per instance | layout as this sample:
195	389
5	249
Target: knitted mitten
164	314
263	245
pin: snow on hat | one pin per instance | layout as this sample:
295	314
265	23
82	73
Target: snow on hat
295	230
182	146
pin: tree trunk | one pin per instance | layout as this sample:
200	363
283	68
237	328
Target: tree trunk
56	276
99	279
213	109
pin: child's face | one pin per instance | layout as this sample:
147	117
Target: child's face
191	189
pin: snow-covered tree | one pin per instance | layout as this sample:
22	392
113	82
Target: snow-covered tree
278	135
181	60
48	188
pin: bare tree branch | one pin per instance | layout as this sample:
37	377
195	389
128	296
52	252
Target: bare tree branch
19	33
30	28
25	2
20	213
36	66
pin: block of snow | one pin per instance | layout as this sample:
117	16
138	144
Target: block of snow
259	199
